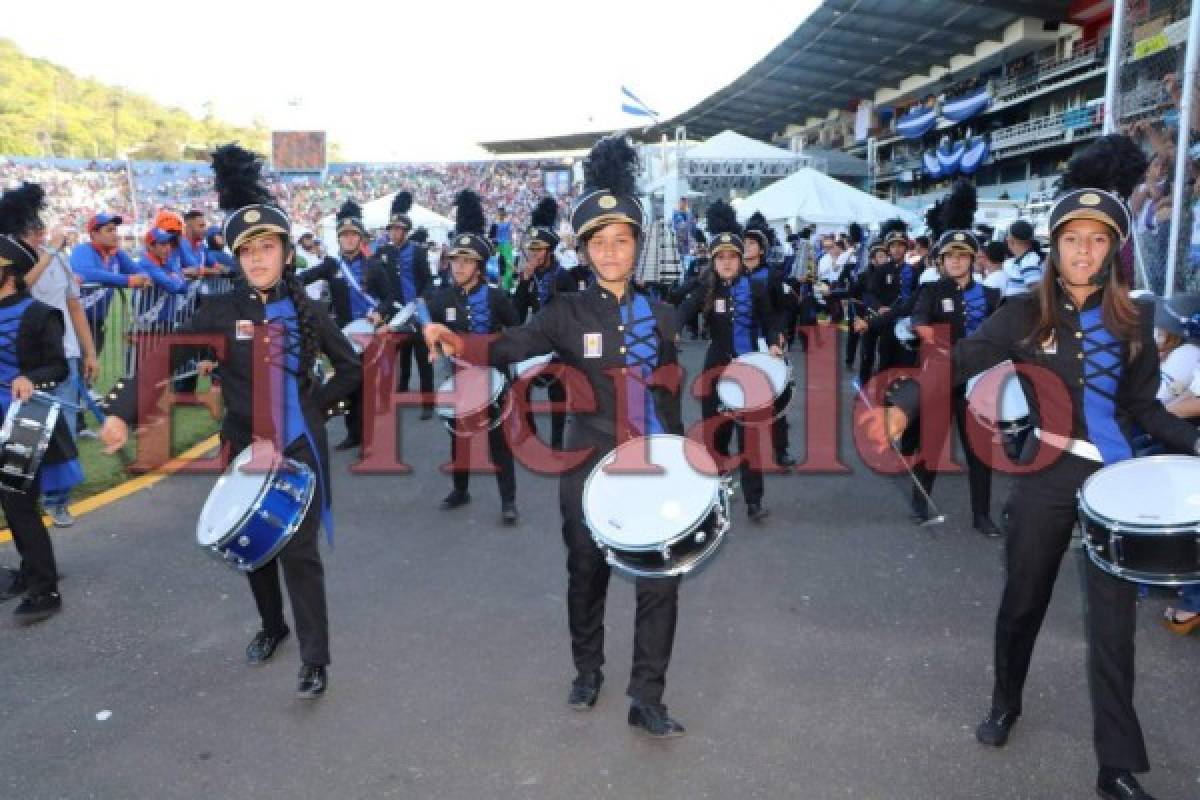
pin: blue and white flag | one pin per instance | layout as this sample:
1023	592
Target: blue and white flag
967	106
632	104
974	156
914	124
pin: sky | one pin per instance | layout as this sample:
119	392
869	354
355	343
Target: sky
411	81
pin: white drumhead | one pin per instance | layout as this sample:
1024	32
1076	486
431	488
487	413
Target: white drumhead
359	333
904	329
464	391
733	396
1011	404
1154	491
522	367
641	511
233	494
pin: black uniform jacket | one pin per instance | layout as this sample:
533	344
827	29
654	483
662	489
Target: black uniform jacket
41	359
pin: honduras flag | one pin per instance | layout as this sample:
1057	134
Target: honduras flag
631	104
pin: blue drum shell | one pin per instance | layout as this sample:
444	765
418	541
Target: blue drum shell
275	519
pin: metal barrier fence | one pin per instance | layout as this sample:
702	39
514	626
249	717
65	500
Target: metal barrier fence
128	323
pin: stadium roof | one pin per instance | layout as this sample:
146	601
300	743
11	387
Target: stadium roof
846	50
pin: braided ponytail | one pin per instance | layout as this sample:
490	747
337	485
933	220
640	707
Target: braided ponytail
306	316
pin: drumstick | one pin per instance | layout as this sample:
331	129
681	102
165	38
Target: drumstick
938	517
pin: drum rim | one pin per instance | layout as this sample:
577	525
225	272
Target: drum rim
604	542
1089	513
681	569
1139	576
445	410
288	532
268	478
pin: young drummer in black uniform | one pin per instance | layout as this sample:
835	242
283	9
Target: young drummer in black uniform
756	243
470	305
737	312
541	279
31	359
608	332
881	290
398	274
270	313
1082	326
352	300
962	304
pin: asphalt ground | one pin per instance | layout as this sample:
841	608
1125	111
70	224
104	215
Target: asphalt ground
836	651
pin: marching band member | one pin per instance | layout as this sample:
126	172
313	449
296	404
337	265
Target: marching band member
541	279
1024	270
274	312
471	305
737	312
880	290
346	277
756	241
957	301
398	275
1082	326
31	359
610	329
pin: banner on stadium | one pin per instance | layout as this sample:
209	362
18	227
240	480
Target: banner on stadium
967	106
974	155
916	123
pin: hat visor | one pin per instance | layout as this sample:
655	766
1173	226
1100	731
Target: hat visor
1092	214
722	247
595	223
256	232
466	251
960	247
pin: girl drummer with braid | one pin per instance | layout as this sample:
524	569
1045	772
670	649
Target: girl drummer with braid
737	312
613	335
270	314
1082	326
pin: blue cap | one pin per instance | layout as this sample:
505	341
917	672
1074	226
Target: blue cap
102	219
159	236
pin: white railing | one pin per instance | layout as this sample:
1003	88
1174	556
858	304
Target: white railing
1049	129
1036	78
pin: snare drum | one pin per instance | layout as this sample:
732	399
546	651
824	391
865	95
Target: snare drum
1141	519
360	332
250	515
27	431
658	525
534	366
905	334
468	396
732	395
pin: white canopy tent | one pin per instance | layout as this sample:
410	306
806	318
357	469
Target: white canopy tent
376	214
733	146
809	196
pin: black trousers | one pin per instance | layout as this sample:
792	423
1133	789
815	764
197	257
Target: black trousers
414	348
300	561
979	474
556	393
868	346
587	589
502	457
38	567
751	479
1041	516
780	429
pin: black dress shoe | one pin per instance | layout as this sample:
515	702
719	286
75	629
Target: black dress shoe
919	510
349	443
653	720
756	512
984	524
455	499
994	730
1119	784
263	646
37	607
426	413
585	689
508	513
12	584
312	681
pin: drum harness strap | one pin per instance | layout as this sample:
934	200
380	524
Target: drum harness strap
974	308
285	363
745	332
10	326
1101	353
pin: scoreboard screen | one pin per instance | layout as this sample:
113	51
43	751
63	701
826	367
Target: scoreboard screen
298	151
